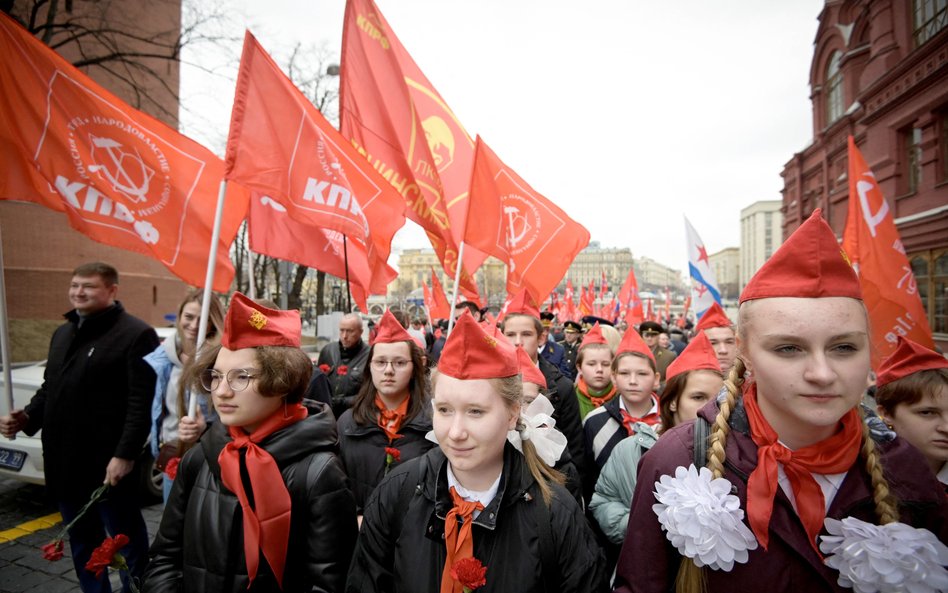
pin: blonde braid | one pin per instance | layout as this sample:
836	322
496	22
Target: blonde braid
887	506
691	578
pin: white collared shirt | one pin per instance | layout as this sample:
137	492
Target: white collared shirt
482	496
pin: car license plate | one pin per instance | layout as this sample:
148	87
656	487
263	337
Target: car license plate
10	459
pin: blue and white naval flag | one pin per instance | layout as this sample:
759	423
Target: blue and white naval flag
704	286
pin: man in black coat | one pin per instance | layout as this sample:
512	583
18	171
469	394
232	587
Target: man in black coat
344	363
94	410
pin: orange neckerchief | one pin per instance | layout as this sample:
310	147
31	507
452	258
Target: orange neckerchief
266	527
833	455
596	401
628	419
459	545
391	420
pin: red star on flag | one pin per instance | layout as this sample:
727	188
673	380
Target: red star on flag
703	254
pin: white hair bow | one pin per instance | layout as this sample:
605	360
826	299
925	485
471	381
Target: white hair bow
538	428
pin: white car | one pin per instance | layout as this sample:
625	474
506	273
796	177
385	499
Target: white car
22	458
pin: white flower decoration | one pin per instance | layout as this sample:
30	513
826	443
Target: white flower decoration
703	519
885	558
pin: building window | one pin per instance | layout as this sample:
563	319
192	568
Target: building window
834	89
912	169
931	273
931	16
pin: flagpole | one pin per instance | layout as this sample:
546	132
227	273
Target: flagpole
209	281
252	284
345	258
5	339
457	281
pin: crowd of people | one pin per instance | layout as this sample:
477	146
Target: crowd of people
519	454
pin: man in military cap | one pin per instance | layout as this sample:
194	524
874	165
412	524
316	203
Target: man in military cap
572	337
591	320
548	348
663	357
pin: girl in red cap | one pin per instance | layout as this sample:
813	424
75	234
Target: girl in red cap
391	414
912	398
262	502
484	511
790	492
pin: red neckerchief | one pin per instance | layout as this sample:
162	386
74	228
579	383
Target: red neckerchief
391	420
651	418
596	401
833	455
459	545
267	527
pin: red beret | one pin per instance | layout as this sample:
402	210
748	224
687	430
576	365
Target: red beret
470	353
810	264
633	342
713	317
908	357
529	371
249	325
391	331
698	355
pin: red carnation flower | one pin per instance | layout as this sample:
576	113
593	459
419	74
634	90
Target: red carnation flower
394	453
325	368
342	370
53	551
107	555
171	468
470	573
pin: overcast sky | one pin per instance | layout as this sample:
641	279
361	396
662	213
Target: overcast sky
626	113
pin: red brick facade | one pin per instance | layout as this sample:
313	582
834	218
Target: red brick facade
40	249
880	74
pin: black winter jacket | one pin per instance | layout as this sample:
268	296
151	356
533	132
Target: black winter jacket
199	546
95	401
506	539
566	413
363	450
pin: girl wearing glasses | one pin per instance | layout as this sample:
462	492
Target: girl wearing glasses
391	414
172	431
262	502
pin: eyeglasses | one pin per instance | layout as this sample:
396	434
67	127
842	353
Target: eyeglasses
380	364
237	379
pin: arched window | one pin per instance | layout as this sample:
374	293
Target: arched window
834	89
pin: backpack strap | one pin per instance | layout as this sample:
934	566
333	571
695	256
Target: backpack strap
702	441
549	567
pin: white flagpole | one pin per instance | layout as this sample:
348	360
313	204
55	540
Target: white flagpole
252	288
209	282
5	339
457	281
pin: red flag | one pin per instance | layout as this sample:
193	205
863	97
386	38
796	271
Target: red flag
472	296
668	304
612	310
603	286
121	176
570	304
397	120
650	315
281	146
274	233
426	295
519	226
872	243
684	313
586	301
440	308
629	300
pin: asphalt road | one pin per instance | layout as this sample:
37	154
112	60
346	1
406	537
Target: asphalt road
27	521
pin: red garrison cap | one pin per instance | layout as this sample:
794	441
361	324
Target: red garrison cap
529	371
908	357
810	264
699	354
248	325
633	342
713	317
593	336
391	331
522	304
470	353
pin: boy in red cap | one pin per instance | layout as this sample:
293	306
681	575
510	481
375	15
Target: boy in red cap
594	385
391	414
263	500
720	331
789	456
912	398
483	511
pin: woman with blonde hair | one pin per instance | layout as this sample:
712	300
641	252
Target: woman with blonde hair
483	511
172	430
796	495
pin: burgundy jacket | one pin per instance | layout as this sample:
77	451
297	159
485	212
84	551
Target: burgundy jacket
649	563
